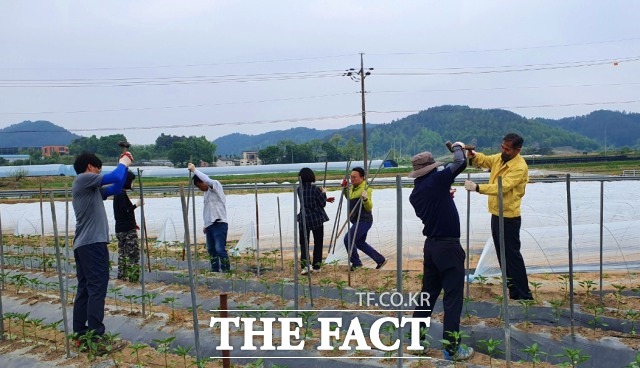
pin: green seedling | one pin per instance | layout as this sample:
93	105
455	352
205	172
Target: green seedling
534	353
493	348
164	347
535	286
574	357
588	286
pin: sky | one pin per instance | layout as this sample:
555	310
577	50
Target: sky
212	68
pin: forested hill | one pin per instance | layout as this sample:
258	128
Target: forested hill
428	129
35	134
236	143
483	128
618	128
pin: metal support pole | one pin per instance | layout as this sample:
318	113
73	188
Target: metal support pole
280	230
42	243
295	250
194	302
67	263
601	235
1	281
503	268
466	279
570	249
257	233
63	296
399	259
143	236
224	306
364	115
195	234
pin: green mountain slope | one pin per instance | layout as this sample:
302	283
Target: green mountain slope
35	134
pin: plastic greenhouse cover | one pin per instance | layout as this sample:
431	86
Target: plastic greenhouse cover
544	232
163	171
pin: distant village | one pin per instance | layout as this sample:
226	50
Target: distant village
248	158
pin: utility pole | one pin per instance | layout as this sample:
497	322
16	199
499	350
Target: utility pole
356	76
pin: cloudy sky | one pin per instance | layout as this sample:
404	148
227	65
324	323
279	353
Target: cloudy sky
211	68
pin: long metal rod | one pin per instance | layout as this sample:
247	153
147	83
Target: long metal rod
466	278
143	232
570	249
257	231
333	240
363	74
280	231
399	259
143	236
42	243
295	250
67	263
503	268
192	286
63	297
1	281
601	236
305	238
195	233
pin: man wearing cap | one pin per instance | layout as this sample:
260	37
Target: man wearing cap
443	267
515	175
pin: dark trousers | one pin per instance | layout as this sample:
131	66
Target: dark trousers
518	282
217	246
92	273
361	243
443	269
318	237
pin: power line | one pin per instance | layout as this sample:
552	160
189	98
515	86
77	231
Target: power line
184	65
179	106
510	48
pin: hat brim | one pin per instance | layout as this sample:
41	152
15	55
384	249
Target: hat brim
423	170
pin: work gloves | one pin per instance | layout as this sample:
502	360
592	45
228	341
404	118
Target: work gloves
139	203
364	195
191	167
458	144
470	186
126	159
344	183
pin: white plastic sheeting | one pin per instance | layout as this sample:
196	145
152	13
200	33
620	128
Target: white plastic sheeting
544	224
163	171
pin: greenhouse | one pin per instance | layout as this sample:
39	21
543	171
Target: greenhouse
544	232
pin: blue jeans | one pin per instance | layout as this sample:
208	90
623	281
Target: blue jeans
217	246
92	272
361	243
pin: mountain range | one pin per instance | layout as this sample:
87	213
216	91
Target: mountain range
425	130
428	129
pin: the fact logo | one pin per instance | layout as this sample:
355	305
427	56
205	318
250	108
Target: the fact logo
331	330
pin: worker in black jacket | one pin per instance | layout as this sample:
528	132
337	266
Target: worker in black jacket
443	268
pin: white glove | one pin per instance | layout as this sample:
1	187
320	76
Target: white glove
126	159
364	195
323	190
139	203
458	144
191	167
470	186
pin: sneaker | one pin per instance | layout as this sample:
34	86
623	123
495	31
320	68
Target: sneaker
380	265
305	271
317	270
464	353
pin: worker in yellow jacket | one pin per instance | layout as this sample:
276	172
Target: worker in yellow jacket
514	171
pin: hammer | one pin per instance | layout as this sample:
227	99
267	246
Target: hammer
124	145
468	147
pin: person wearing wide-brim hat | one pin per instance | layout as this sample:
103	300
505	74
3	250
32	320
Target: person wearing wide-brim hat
444	257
